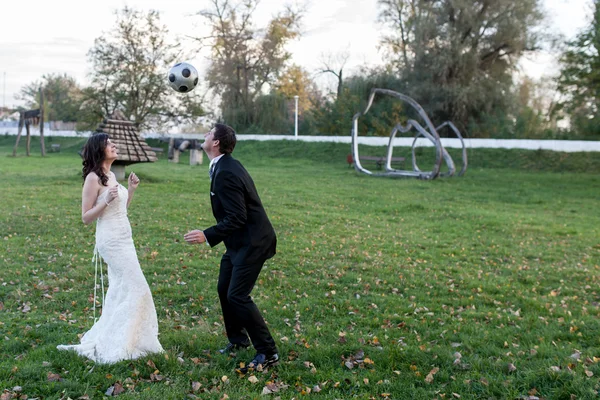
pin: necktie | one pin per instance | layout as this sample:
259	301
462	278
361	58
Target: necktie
211	171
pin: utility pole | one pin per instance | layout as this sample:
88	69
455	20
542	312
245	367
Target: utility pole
4	93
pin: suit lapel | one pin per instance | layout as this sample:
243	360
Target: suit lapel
220	164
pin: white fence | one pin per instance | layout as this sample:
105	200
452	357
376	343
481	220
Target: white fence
568	146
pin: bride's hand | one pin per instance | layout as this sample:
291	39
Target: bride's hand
113	193
133	181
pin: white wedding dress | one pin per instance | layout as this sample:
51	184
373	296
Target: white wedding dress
128	327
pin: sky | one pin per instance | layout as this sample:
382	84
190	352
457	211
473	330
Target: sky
55	36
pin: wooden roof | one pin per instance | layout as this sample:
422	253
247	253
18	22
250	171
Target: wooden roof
126	136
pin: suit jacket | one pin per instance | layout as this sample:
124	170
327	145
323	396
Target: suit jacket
242	223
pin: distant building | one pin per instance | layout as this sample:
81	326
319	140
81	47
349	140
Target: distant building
6	113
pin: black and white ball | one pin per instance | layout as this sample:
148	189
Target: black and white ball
183	77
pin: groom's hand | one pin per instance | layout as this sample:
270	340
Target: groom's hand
195	236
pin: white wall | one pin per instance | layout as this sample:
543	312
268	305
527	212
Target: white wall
554	145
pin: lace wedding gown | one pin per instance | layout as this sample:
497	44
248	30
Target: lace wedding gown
128	327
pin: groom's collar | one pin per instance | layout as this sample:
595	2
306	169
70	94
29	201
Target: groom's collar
214	161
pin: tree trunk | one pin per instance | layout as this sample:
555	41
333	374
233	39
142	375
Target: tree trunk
340	84
43	146
21	122
28	143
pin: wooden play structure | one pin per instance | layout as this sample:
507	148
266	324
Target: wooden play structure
131	147
28	118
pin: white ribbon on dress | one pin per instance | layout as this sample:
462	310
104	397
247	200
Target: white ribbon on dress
96	259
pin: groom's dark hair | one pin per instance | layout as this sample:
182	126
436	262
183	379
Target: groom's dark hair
226	137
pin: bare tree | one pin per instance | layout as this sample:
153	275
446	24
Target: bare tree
335	64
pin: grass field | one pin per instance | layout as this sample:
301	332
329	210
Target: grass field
480	287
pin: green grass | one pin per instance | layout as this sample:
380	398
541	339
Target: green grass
457	277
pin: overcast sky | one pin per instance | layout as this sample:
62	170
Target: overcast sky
40	36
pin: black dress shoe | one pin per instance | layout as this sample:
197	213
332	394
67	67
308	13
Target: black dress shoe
260	363
231	347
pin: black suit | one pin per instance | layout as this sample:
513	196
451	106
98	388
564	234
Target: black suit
249	237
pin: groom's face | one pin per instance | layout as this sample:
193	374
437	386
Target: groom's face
210	145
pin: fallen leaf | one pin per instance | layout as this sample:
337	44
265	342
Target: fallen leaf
511	367
270	388
273	387
118	389
53	377
196	386
589	373
151	364
253	379
429	377
155	377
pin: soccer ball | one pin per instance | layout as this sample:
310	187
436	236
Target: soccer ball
183	77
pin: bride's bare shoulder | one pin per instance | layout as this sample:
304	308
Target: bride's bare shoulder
92	180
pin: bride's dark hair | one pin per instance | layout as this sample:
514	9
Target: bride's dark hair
93	156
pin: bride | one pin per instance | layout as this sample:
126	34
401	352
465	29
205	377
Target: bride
128	327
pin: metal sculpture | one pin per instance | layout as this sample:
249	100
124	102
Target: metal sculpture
429	132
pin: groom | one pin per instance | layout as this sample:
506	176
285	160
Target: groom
249	238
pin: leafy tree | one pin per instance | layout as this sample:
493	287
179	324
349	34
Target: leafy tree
579	81
456	57
62	97
296	81
130	64
245	60
335	117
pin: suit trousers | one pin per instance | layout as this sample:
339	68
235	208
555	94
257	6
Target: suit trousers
242	317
